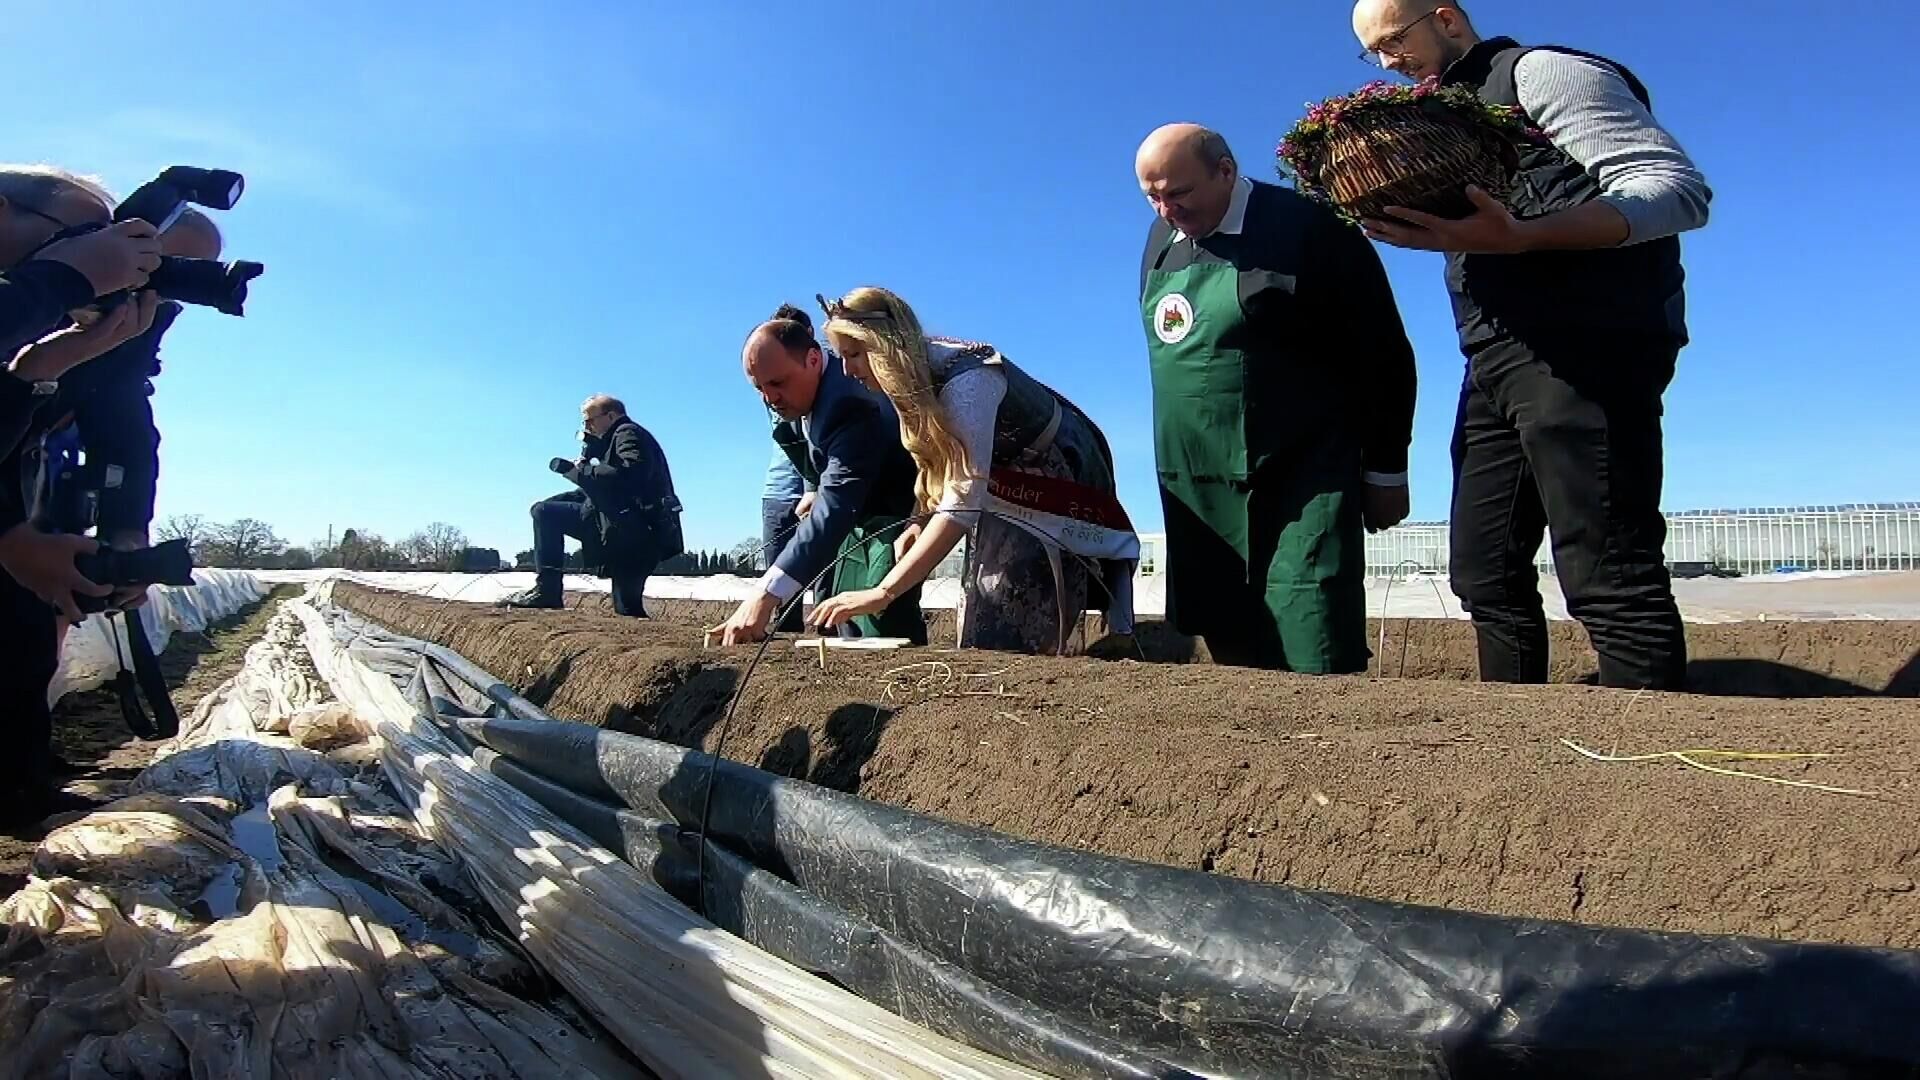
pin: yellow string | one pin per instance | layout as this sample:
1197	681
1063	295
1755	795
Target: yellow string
1686	757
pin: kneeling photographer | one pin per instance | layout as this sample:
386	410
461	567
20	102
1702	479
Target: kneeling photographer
624	514
85	393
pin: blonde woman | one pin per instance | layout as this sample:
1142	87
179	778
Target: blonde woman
1003	459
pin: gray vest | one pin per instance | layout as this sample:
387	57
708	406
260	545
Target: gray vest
1029	415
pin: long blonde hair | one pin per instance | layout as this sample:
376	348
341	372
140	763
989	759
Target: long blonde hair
896	351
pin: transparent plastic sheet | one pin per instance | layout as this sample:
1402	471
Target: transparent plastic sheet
260	907
1210	973
686	997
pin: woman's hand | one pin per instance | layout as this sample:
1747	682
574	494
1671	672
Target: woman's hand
847	607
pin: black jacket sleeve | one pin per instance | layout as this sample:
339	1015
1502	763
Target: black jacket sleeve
622	467
113	410
34	297
18	408
1381	377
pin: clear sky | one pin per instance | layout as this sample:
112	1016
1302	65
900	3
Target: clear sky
474	215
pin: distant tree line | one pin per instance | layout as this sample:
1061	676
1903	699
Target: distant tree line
743	561
250	544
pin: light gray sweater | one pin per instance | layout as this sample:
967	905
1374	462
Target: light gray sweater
1587	110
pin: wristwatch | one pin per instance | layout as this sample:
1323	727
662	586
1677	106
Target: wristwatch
41	387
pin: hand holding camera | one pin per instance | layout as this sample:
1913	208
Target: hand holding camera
46	564
120	256
563	466
99	333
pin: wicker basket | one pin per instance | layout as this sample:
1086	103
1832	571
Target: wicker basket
1419	158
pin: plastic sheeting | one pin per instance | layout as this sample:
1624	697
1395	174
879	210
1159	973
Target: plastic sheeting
688	998
1087	965
88	659
261	908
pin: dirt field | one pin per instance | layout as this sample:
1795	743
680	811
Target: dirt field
1776	658
1412	790
89	733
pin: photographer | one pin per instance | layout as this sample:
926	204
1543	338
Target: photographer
40	282
40	575
113	411
624	514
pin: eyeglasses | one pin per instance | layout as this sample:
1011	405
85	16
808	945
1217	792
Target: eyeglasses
1394	42
39	213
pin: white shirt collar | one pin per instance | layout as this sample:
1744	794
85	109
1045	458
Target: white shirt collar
1236	217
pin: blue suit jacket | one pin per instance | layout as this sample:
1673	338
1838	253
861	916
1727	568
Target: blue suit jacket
853	441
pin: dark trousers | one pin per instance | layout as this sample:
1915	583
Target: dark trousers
29	656
570	514
1569	444
776	528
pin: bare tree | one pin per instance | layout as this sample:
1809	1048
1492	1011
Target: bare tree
436	547
745	556
445	545
193	528
365	551
244	543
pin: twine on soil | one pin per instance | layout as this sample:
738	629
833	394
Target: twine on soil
1686	757
940	675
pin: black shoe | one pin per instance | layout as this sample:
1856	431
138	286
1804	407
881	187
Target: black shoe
533	599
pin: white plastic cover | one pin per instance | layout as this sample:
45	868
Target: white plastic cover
687	998
88	659
257	908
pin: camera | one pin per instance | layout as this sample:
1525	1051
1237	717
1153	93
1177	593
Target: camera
160	202
169	563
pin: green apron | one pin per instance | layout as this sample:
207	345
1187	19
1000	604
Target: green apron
866	560
1265	551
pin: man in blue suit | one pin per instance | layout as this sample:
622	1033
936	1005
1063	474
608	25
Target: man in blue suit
863	490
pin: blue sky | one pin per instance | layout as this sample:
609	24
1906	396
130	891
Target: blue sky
475	215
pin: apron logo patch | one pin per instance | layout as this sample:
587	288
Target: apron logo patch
1173	319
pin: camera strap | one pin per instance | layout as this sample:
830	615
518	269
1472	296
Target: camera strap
145	679
125	688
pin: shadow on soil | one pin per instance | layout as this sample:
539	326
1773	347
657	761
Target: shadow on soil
851	738
1770	679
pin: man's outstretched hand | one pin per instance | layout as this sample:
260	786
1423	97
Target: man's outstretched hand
749	622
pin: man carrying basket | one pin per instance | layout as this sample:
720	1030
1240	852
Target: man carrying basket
1571	312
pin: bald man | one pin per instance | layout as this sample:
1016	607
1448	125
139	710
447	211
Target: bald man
1571	310
861	480
1283	389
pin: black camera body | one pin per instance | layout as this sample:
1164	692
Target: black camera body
204	282
169	563
221	286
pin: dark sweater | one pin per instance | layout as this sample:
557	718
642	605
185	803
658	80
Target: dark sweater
1330	358
35	297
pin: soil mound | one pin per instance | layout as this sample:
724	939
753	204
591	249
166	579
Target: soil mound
1425	791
